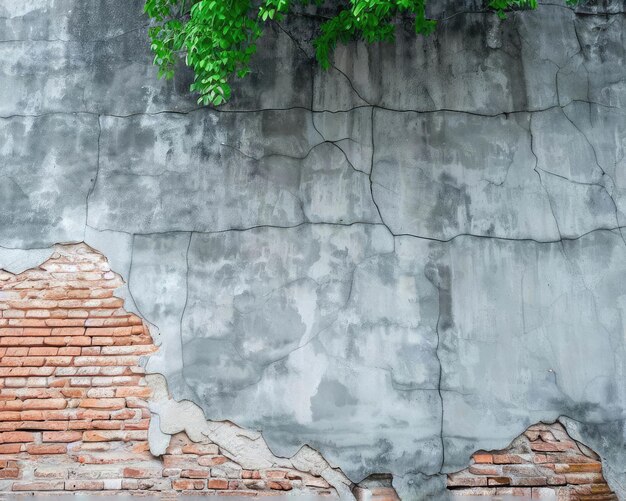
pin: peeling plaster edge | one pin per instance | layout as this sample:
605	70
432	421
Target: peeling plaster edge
245	447
611	476
571	427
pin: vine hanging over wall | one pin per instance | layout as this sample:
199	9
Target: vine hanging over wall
217	38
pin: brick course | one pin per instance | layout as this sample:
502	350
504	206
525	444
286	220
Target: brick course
542	463
74	402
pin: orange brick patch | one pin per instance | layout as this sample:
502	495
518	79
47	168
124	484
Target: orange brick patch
74	401
542	463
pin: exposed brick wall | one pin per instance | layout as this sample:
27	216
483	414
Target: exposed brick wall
543	463
73	399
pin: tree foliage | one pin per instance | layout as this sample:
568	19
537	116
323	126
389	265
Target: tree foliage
217	38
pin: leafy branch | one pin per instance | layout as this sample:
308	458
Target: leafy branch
218	38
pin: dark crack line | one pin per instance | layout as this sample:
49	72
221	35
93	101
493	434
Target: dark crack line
440	375
361	223
95	179
604	173
202	109
371	175
184	309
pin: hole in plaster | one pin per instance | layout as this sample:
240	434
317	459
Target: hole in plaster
544	462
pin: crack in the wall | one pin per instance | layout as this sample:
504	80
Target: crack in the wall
204	109
95	179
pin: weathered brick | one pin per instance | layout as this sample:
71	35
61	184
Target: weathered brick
48	485
103	403
584	478
101	393
21	341
212	460
200	449
507	459
46	449
194	473
279	485
115	360
107	435
84	485
498	480
69	436
217	483
9	473
9	448
68	331
107	424
16	436
578	468
133	391
188	484
71	351
45	403
460	480
180	461
131	472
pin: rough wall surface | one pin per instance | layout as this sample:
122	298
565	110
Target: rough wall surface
400	261
75	402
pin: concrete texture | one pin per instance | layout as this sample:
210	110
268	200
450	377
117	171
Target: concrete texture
400	261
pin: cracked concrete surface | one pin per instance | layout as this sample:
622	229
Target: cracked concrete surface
410	257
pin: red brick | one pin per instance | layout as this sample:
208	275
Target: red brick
217	483
187	484
68	331
40	425
212	460
177	461
484	469
507	459
578	468
194	473
461	480
10	416
140	473
114	435
21	341
84	485
107	424
67	436
551	446
584	478
280	485
70	351
103	403
45	403
7	473
200	449
16	436
46	449
134	391
498	481
9	448
16	352
49	485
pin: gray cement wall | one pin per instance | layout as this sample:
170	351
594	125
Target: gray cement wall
407	258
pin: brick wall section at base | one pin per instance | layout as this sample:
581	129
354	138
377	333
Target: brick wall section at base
73	399
542	463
